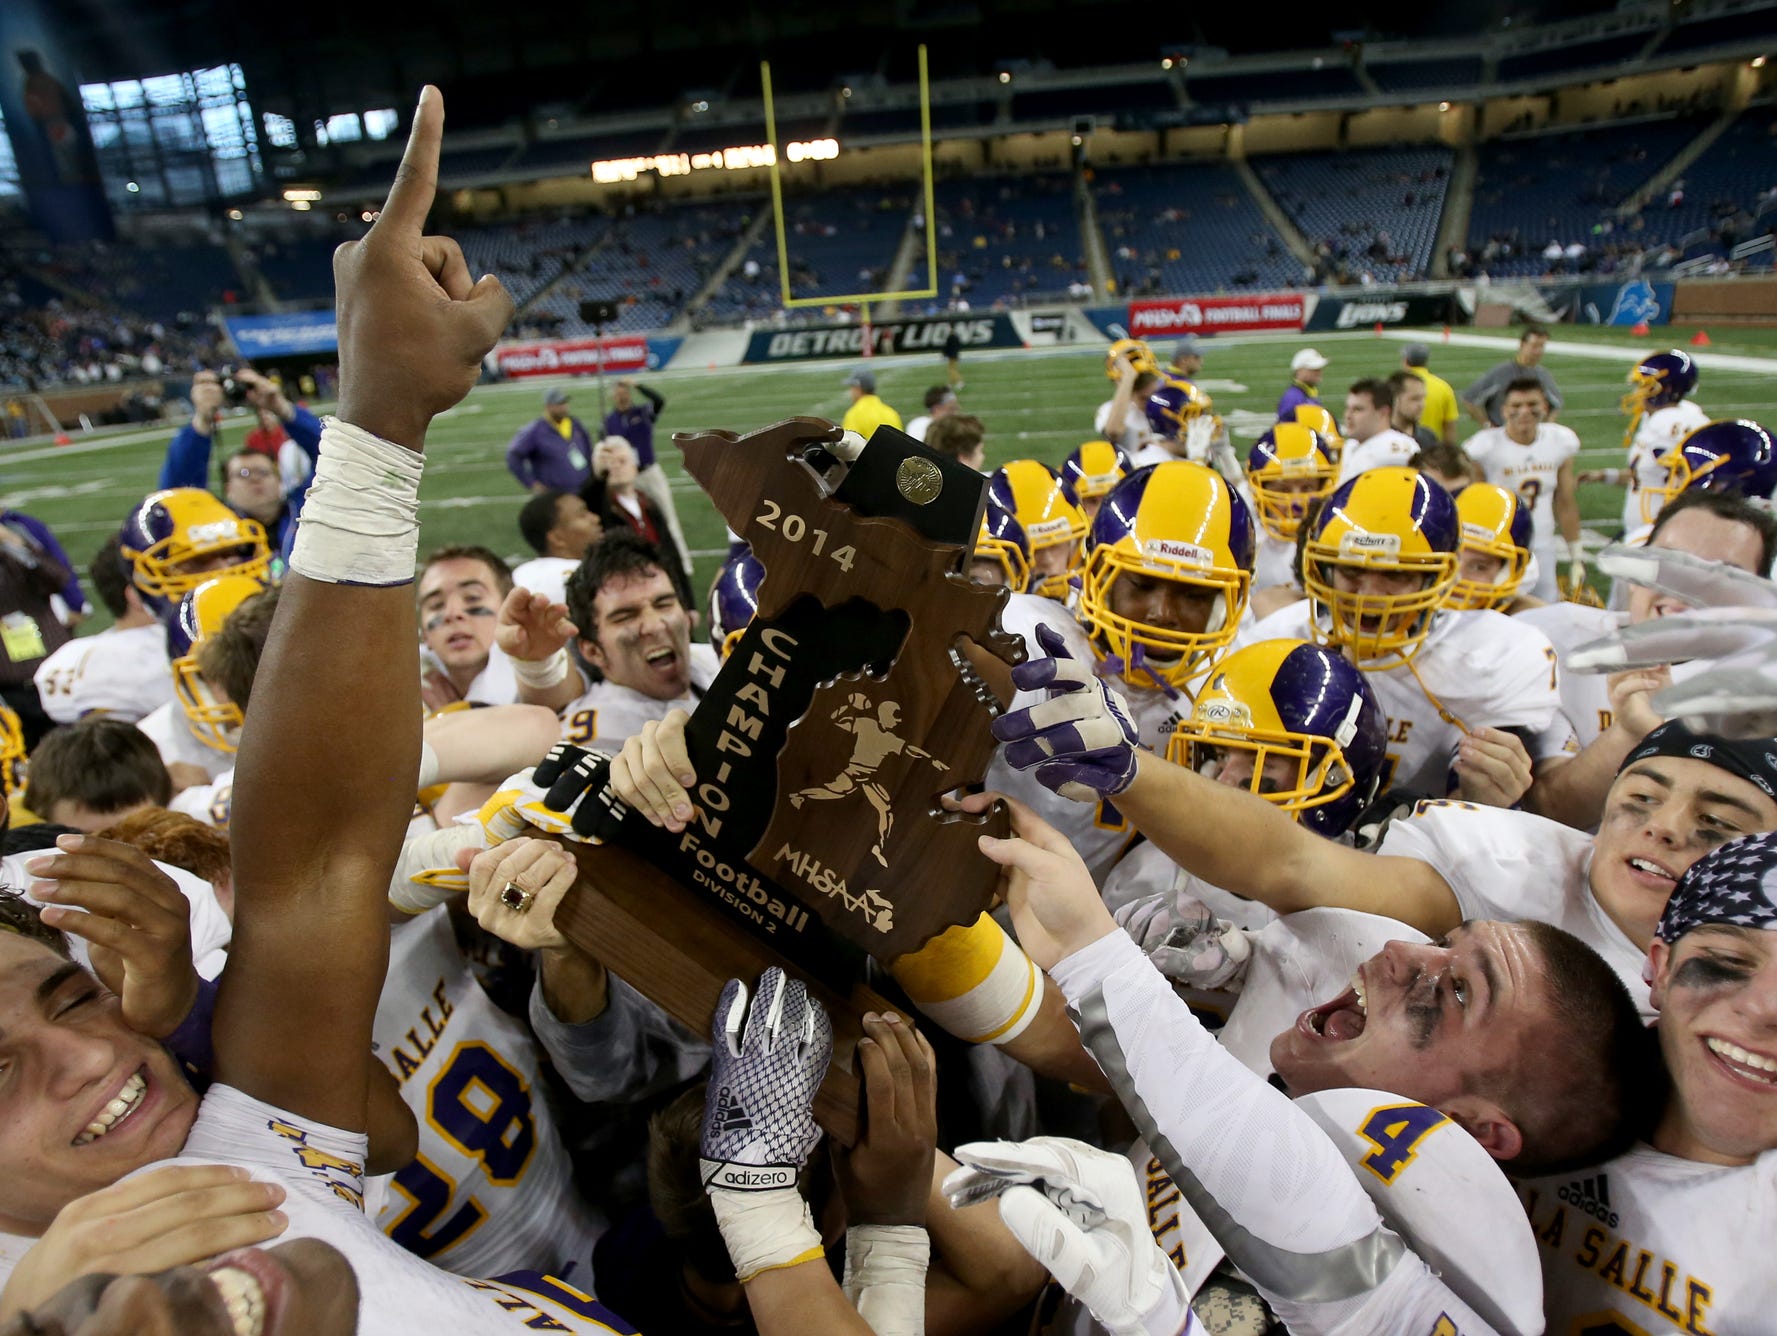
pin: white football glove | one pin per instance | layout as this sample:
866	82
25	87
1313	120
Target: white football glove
1186	942
1735	697
1082	1214
1698	581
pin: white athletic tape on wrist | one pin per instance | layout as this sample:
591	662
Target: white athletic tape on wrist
426	873
885	1277
360	523
543	673
765	1230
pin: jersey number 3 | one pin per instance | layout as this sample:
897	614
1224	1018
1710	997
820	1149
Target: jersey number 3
481	1106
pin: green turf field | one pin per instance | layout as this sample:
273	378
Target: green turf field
1036	404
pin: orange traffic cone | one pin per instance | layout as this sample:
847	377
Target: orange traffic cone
1378	329
62	438
1446	333
1700	339
1639	329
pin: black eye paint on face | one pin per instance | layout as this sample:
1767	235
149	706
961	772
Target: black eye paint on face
1708	971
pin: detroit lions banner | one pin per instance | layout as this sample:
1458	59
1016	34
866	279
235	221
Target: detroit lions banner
886	337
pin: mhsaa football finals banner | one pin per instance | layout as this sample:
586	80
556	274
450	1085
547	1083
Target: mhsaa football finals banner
1216	315
566	357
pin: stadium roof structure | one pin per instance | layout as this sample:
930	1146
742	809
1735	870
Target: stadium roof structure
501	62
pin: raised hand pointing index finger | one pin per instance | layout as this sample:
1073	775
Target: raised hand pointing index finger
413	328
416	180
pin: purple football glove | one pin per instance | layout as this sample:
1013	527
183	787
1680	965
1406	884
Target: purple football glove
1080	742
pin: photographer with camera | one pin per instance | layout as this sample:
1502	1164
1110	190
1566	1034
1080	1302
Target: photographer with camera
273	496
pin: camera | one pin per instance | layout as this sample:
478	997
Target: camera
598	313
234	390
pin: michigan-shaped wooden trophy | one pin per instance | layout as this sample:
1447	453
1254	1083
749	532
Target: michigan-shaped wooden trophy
824	747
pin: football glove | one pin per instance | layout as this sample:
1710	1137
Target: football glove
1082	1214
1698	581
770	1057
1080	741
1735	697
1186	942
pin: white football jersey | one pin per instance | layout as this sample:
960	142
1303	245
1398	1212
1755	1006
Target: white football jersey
1287	1194
1654	1244
491	1190
322	1170
1585	698
1529	470
608	715
170	731
494	684
1386	449
1274	562
1484	668
1146	871
546	575
1135	426
121	673
1510	866
1299	961
1657	433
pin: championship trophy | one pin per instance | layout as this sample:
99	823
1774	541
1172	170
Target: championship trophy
823	749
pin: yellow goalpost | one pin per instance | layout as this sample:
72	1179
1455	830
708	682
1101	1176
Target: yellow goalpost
863	299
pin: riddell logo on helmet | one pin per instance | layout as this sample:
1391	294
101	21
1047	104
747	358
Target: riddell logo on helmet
1046	529
1188	554
217	531
1369	544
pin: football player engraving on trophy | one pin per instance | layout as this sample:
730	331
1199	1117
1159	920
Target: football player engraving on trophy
824	747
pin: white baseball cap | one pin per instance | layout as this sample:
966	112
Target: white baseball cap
1307	360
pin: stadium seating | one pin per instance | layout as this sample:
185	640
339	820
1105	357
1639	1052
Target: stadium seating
1001	239
1188	227
1731	175
159	280
651	264
843	241
1378	209
530	255
1406	76
1563	187
1332	81
299	270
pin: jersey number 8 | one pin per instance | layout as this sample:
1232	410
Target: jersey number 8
481	1106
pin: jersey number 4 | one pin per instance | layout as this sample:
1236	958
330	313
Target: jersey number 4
481	1106
1396	1130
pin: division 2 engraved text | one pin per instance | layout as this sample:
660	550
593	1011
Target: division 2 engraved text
741	889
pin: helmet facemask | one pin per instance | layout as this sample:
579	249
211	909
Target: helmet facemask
1375	627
